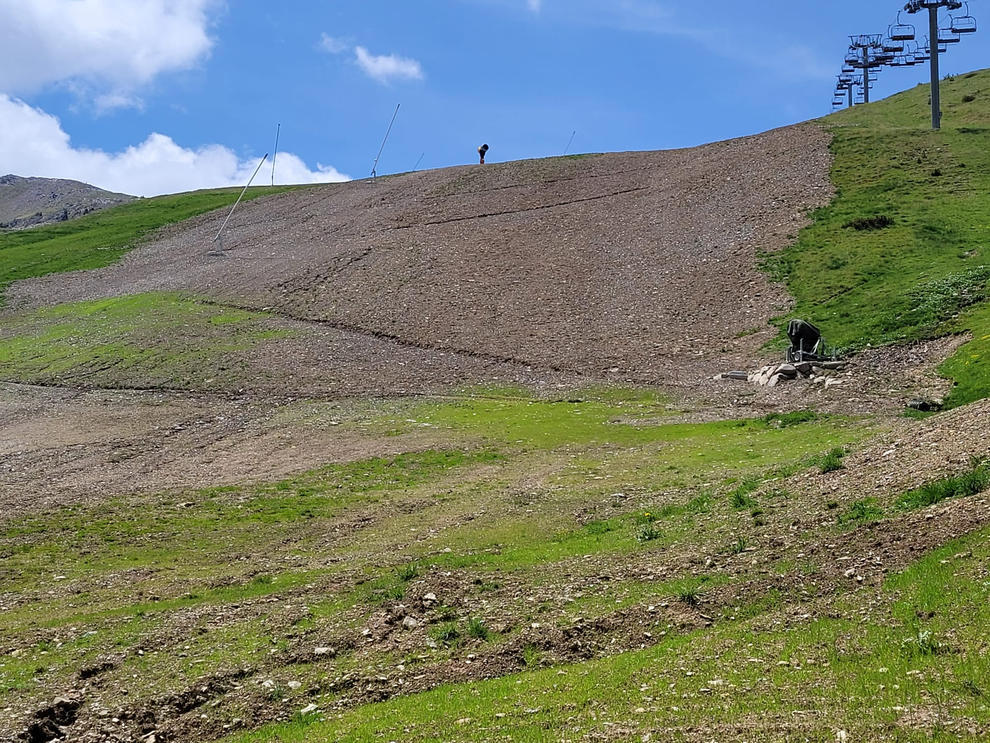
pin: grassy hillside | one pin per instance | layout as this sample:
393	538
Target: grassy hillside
902	253
100	239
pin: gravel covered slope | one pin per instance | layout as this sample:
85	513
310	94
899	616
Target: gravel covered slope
635	266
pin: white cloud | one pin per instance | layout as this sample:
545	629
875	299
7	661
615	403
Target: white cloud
109	45
385	68
33	143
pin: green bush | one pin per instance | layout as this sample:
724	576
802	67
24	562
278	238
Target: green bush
832	461
478	629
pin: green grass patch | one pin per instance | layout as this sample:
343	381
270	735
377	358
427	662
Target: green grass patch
831	461
740	497
971	482
146	340
969	367
616	417
99	239
794	418
862	511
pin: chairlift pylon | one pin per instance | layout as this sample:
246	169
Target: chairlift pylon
963	24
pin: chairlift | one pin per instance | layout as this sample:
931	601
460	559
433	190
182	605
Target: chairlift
890	46
847	70
853	58
963	24
901	31
948	36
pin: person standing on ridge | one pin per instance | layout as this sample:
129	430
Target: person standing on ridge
481	152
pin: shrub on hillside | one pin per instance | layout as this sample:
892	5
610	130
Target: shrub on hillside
878	222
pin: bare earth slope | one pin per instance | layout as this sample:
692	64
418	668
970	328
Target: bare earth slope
634	266
29	202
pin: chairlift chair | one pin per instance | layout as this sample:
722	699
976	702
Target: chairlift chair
948	36
901	31
964	24
892	46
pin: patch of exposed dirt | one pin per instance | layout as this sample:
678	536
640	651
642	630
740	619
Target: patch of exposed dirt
61	446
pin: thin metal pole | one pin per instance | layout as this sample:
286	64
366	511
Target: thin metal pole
278	131
933	43
850	96
416	166
224	225
866	75
570	141
374	168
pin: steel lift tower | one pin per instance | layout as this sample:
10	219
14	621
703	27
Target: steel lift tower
935	37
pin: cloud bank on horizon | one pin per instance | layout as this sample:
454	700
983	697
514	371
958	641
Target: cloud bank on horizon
106	51
32	143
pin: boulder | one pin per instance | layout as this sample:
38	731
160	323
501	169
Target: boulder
788	371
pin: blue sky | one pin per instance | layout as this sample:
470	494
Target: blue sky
151	96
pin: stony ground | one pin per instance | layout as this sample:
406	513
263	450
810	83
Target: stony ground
631	267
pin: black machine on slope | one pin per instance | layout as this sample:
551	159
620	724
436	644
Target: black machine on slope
807	343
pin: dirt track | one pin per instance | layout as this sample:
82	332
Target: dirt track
632	266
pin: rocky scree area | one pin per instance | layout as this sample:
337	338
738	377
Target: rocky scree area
29	202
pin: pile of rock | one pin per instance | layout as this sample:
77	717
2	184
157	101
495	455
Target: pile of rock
817	372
